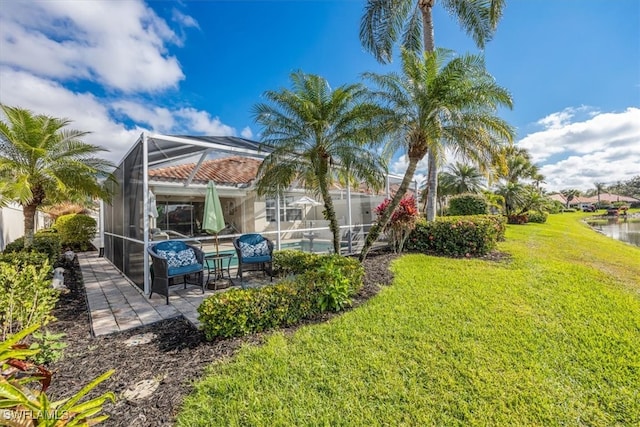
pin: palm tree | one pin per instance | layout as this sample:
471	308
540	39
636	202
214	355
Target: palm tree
440	104
570	194
316	131
519	165
42	164
600	186
462	178
386	21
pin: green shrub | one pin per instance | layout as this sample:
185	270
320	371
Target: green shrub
458	236
26	296
50	347
44	242
537	217
568	210
288	262
323	283
517	218
468	204
76	231
22	259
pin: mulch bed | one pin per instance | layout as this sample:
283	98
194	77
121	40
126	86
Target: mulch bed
176	357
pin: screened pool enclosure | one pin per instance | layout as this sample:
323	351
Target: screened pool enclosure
160	194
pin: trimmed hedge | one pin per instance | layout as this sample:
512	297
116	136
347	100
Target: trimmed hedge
323	283
44	242
458	236
537	217
468	204
76	231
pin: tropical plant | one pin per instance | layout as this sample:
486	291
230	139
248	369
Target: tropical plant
316	131
402	222
519	166
384	22
570	194
24	404
42	163
600	187
440	103
462	178
514	194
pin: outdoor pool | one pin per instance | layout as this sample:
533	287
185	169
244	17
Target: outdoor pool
625	229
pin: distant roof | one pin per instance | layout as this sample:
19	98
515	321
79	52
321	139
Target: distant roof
236	171
604	197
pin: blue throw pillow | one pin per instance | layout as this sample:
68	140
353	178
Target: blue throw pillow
187	257
173	261
261	249
247	250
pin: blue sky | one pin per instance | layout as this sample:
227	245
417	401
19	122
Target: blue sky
198	67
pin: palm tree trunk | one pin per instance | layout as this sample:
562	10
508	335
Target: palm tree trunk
29	213
426	7
432	181
382	222
328	205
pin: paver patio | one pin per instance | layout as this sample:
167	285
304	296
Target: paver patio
115	304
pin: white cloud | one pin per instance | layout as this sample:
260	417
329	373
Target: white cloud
87	112
246	133
120	45
604	147
105	119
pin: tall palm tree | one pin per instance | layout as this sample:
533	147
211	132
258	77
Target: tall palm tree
600	187
315	132
462	178
386	21
42	163
440	104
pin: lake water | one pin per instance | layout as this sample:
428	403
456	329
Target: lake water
619	228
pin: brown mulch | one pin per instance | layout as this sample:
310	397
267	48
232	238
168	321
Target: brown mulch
176	357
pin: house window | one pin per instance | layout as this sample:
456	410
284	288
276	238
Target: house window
287	211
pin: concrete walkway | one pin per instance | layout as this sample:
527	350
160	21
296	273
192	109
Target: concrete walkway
115	304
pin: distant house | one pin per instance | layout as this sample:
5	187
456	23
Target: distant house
581	201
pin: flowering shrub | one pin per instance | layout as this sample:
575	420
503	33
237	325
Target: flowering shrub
458	236
402	222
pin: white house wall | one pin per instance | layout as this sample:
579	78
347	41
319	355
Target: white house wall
12	224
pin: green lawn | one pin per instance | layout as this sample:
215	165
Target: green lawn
549	337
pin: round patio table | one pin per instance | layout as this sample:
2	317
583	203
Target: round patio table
215	266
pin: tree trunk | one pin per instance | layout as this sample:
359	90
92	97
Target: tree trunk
432	182
382	222
330	211
29	213
426	7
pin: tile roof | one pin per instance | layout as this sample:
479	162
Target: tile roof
236	170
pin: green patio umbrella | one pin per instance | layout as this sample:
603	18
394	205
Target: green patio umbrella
213	220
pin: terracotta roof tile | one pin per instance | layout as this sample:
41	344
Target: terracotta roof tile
229	170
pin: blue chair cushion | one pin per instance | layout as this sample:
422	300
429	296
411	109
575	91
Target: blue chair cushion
185	269
256	259
170	245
